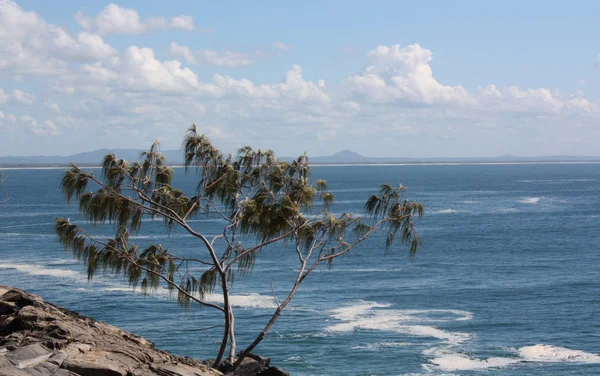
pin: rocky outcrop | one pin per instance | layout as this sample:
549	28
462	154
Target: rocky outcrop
42	339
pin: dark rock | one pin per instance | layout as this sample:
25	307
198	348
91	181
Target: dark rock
250	367
19	298
274	371
41	339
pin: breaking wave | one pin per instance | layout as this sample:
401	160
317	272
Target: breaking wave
554	354
446	211
41	270
376	316
530	200
447	360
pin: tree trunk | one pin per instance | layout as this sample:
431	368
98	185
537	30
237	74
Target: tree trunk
270	324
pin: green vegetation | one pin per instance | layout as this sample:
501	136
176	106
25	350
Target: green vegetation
262	202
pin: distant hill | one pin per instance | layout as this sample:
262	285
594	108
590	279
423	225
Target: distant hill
344	156
175	157
86	158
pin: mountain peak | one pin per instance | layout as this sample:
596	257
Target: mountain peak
347	154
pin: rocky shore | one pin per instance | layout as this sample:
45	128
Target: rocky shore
42	339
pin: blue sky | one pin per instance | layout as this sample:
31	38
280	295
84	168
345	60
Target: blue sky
383	78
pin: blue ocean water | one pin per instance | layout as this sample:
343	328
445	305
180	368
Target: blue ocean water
506	282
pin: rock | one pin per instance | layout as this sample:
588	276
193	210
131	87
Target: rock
274	371
41	339
252	365
29	356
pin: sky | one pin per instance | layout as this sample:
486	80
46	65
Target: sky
381	78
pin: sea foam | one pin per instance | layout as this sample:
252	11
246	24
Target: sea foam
554	354
447	360
446	211
530	200
40	270
376	316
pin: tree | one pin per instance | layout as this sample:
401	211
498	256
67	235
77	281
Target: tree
262	200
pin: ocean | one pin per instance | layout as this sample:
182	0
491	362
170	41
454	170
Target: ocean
506	282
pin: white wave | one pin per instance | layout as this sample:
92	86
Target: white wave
28	225
451	361
530	200
555	354
29	235
293	359
33	269
446	211
446	360
469	202
60	261
352	270
349	201
380	345
245	301
375	316
240	301
507	210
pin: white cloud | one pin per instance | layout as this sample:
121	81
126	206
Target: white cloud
224	58
399	74
142	71
293	88
52	106
182	51
114	19
183	22
135	93
17	97
48	128
30	45
281	46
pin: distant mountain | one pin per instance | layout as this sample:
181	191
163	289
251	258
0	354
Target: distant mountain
85	159
344	156
175	157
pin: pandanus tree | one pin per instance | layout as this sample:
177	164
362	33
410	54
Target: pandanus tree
261	201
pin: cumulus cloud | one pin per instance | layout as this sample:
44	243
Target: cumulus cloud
30	45
185	52
114	19
17	97
144	72
294	88
403	74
